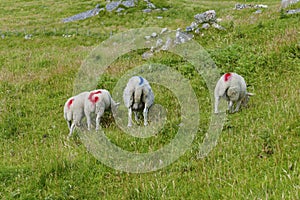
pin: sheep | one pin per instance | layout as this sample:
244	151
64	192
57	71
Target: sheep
138	96
74	111
231	87
97	102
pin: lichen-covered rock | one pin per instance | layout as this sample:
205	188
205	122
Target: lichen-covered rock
207	16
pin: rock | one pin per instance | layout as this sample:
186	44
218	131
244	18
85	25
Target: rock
188	29
197	31
147	55
84	15
112	5
153	35
2	36
164	9
159	43
119	10
208	16
28	36
258	12
205	26
182	37
239	6
260	6
217	26
147	10
167	45
149	4
159	17
163	30
194	25
147	37
289	12
128	4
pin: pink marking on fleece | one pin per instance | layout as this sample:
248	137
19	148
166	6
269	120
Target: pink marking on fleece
92	98
227	76
70	103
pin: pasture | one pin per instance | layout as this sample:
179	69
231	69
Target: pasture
257	155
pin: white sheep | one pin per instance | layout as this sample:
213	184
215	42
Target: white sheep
97	102
74	111
138	96
233	88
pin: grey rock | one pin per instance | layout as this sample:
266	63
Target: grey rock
217	26
84	15
182	37
147	10
159	17
112	5
128	4
147	55
154	34
290	12
28	36
260	6
258	12
159	43
205	26
167	45
2	36
119	10
163	30
197	31
207	16
240	6
189	29
147	37
164	9
194	25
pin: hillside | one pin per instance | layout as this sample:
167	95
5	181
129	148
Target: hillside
43	61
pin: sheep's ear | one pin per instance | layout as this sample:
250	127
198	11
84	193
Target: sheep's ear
250	94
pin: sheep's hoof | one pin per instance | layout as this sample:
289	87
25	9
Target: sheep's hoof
129	125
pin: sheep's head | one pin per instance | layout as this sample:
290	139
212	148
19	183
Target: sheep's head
246	99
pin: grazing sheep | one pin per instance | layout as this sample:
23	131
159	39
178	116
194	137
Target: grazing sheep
97	102
231	87
138	96
74	110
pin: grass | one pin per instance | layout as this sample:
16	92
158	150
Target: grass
257	155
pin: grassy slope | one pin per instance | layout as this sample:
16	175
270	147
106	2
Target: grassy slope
257	156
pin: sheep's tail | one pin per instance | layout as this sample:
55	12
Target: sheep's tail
67	115
138	94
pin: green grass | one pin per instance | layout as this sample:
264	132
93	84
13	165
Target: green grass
257	155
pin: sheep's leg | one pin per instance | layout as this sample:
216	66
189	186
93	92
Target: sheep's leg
145	112
217	99
88	120
72	129
238	104
129	117
136	117
69	124
99	115
230	106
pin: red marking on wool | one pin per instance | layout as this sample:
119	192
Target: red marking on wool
92	98
227	76
70	103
